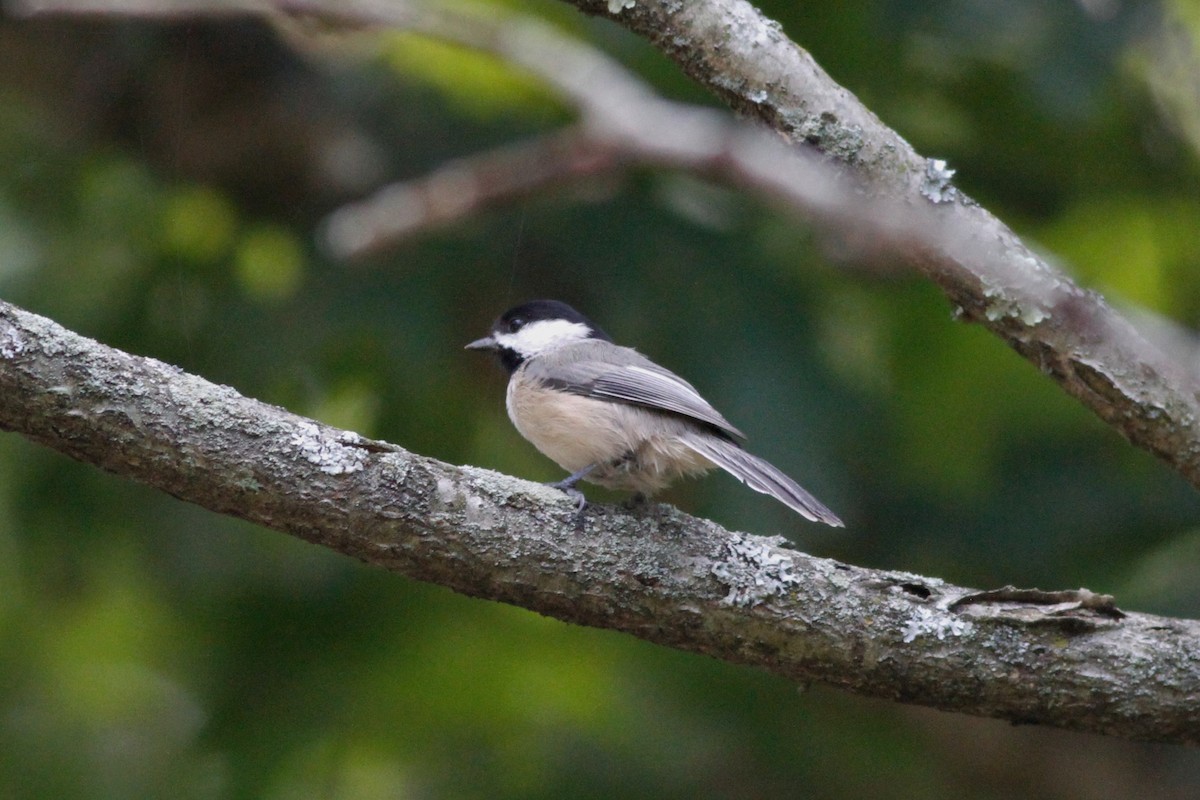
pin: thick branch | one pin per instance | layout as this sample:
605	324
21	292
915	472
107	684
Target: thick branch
662	576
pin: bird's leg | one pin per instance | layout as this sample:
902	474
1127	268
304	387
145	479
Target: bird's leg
567	485
637	500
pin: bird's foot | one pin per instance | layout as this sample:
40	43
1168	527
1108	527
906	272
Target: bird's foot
570	491
567	486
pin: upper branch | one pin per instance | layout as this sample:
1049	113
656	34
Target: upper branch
881	193
888	200
984	269
1064	659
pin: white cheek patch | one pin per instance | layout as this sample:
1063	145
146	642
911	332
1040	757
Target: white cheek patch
547	334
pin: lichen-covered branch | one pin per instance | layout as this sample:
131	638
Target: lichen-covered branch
1067	659
985	270
1060	658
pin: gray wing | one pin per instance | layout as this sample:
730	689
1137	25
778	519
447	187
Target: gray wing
761	476
610	372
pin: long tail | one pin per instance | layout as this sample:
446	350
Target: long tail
761	476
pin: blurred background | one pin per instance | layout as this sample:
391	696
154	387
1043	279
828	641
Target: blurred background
162	190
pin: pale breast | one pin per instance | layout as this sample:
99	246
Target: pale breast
572	431
637	449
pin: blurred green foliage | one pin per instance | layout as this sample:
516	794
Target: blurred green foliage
162	191
476	84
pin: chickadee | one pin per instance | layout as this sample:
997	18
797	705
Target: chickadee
611	416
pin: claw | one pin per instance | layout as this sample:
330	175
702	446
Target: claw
567	486
577	496
573	493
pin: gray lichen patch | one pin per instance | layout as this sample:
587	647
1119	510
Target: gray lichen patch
454	496
12	343
826	132
754	570
926	621
333	455
1003	305
937	186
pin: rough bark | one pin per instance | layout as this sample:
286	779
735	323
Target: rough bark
1064	659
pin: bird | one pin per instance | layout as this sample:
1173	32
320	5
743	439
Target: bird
609	415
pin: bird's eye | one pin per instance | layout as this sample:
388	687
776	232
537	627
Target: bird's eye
516	323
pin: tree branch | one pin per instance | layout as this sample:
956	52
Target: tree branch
983	268
465	187
1064	659
894	201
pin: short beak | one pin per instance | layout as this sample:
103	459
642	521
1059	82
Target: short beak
486	343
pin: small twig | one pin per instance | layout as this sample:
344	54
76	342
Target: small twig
463	188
